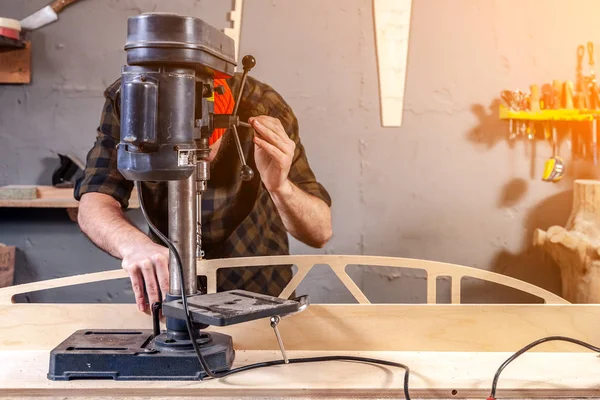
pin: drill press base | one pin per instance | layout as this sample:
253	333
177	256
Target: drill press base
132	355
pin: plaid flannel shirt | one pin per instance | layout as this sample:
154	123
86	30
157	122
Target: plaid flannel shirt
238	218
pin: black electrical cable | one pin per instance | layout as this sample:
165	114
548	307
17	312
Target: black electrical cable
188	319
190	328
530	346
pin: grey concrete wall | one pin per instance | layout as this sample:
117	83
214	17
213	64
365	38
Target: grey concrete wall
446	186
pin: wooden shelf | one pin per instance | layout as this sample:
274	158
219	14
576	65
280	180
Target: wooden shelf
51	197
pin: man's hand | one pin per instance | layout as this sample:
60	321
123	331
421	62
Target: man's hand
305	216
273	153
101	218
147	265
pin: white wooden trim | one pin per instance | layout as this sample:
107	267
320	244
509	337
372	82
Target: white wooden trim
392	31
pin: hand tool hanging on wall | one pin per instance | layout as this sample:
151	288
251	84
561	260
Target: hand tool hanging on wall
512	102
568	96
581	87
46	15
592	99
554	166
568	103
516	101
534	106
558	87
548	101
593	102
594	143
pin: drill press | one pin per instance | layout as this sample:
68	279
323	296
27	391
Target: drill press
166	121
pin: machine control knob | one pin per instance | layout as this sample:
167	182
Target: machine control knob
246	173
248	62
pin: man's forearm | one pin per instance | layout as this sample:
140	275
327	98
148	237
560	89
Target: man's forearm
100	217
306	217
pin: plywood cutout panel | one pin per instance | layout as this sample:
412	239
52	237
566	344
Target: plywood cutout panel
304	264
339	263
392	28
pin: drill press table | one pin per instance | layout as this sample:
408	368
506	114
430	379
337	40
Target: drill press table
453	350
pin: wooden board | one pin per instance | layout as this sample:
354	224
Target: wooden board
445	375
432	327
15	65
339	327
392	28
51	197
452	348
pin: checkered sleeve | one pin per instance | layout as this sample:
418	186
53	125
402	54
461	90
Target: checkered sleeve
262	99
101	174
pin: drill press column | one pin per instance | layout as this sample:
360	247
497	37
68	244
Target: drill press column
182	228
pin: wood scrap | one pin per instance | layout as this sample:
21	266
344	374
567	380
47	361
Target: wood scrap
18	192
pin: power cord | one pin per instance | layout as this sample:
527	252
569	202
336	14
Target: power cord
188	319
530	346
191	331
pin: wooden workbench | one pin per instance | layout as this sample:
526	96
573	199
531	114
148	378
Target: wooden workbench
453	351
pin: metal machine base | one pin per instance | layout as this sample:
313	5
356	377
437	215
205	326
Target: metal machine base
132	355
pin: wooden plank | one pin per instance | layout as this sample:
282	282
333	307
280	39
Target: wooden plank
450	347
340	327
15	65
433	375
52	197
392	27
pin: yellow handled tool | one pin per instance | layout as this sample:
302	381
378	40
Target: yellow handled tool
554	167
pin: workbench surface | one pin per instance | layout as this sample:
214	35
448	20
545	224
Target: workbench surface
442	375
453	350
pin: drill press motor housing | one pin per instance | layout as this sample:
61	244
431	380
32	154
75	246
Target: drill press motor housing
166	120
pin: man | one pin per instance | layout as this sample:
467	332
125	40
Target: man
239	218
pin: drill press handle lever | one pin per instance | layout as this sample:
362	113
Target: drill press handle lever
232	121
246	172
